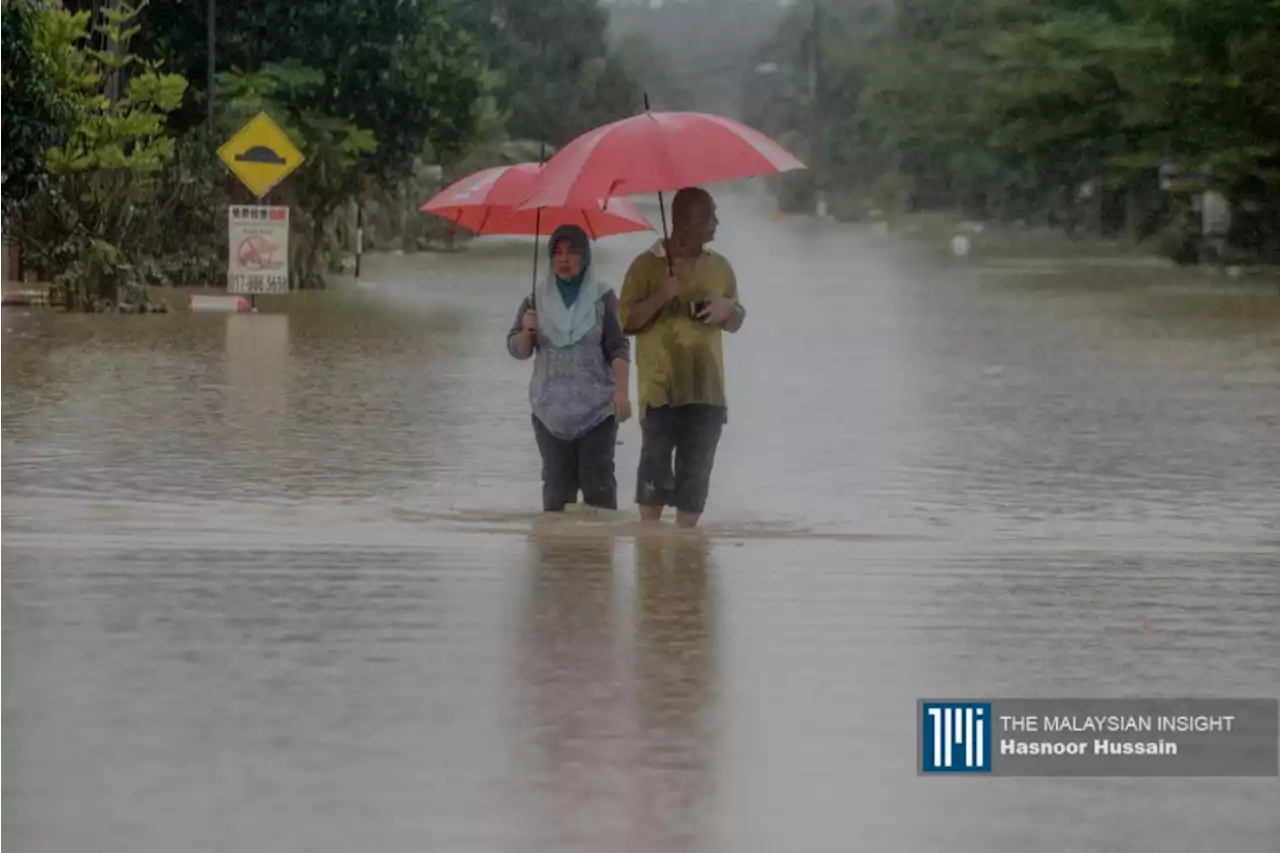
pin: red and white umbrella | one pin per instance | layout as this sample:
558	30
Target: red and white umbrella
487	201
655	153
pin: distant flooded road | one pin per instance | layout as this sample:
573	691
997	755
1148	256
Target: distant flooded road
277	582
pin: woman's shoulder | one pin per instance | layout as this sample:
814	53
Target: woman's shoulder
609	299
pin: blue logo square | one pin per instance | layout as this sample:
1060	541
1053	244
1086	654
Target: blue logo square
955	737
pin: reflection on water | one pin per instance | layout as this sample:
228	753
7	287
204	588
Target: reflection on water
258	376
257	349
573	699
676	654
618	707
278	582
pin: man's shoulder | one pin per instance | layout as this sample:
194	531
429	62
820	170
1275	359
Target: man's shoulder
717	261
644	268
646	260
720	269
718	258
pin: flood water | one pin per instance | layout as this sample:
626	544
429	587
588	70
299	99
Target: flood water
276	582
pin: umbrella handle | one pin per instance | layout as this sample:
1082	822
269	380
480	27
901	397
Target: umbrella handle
537	232
662	211
666	241
537	238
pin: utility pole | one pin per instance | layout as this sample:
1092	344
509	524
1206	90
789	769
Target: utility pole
816	93
212	59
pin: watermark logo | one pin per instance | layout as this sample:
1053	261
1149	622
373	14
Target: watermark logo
1098	737
955	737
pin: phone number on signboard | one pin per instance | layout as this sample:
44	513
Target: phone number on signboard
258	283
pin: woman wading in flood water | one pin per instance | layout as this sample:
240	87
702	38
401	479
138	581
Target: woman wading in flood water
579	387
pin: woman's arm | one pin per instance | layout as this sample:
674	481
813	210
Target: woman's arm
613	339
621	389
521	341
617	354
621	375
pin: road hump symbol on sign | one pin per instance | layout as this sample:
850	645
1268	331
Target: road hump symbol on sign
261	155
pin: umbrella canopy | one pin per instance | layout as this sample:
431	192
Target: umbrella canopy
485	202
656	152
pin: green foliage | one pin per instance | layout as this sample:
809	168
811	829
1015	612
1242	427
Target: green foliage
1007	108
38	95
387	99
84	228
555	74
282	90
112	133
404	72
366	88
649	65
694	54
337	149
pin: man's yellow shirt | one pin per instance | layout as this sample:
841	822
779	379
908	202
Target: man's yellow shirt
679	360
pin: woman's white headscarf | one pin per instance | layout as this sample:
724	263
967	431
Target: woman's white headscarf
564	325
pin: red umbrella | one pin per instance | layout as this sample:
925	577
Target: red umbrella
485	203
656	152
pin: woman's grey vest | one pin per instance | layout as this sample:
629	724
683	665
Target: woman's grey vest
571	389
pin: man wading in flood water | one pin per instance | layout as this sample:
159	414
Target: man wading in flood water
677	322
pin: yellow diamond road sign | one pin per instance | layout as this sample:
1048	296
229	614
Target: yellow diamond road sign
260	155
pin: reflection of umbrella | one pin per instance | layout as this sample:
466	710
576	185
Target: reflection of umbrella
485	203
656	152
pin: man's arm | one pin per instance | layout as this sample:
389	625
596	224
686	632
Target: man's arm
736	319
641	301
739	316
726	311
642	314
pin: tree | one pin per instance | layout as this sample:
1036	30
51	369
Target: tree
84	225
650	67
1005	108
38	98
558	76
1214	102
400	69
1053	104
706	46
364	87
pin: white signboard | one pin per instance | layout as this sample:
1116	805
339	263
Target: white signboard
259	240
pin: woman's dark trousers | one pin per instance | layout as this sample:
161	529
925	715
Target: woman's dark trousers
584	463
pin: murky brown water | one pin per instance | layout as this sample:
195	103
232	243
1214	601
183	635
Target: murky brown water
273	582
